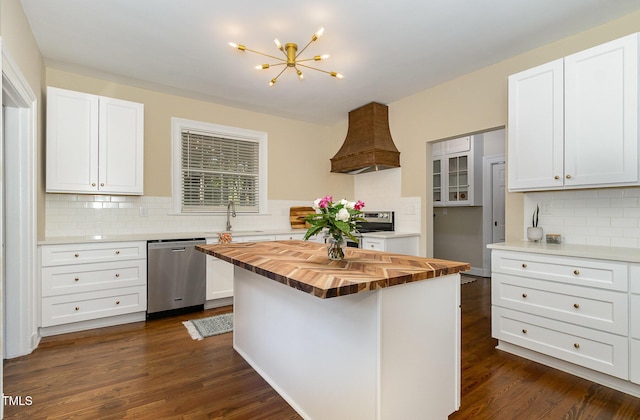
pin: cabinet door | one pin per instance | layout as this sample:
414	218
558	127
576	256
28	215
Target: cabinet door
121	146
438	178
458	179
601	114
72	141
536	128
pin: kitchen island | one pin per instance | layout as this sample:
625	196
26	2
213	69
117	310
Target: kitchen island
374	336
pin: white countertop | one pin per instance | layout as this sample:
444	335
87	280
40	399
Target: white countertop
572	250
189	235
389	235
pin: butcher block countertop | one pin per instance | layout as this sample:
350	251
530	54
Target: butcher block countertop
305	266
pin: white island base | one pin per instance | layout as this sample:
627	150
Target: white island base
392	353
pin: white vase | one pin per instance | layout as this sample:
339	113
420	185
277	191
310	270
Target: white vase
534	234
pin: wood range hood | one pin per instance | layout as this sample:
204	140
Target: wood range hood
368	146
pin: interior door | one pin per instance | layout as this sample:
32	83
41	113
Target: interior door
498	201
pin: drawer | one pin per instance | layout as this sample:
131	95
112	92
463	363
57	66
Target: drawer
92	252
597	350
634	314
373	244
634	369
57	310
65	279
580	271
589	307
634	278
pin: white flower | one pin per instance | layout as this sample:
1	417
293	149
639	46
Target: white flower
343	215
350	205
316	203
344	202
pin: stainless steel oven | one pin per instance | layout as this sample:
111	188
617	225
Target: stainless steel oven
375	221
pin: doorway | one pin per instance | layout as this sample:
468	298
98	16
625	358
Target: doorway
494	181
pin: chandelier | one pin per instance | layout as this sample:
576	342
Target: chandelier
291	60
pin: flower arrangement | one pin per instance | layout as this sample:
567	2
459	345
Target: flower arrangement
335	218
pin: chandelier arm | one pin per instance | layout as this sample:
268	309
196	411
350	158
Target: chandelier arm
315	68
305	47
306	59
266	55
276	78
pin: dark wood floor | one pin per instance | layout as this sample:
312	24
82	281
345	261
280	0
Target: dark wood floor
154	370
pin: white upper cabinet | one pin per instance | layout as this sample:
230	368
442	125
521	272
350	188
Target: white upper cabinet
573	123
457	172
95	144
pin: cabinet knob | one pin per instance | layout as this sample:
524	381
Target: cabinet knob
524	295
372	246
77	308
524	331
76	255
576	345
93	184
568	176
117	252
117	302
77	279
556	177
524	265
117	274
576	272
576	305
102	184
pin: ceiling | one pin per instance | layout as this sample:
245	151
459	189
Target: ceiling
386	50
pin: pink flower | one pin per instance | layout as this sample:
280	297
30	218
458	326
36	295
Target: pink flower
359	205
324	203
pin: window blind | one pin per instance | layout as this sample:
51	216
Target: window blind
216	170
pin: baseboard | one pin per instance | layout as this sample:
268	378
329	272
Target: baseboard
94	323
477	271
217	303
582	372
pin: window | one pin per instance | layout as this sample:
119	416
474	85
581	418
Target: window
215	164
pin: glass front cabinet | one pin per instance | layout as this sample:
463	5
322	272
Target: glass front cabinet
457	172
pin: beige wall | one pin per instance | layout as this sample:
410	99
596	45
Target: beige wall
472	103
298	152
18	42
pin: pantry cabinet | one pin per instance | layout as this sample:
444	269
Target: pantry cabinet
573	122
457	172
95	144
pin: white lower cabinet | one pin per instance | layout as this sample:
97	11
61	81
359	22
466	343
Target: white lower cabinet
401	245
634	314
556	309
219	276
92	281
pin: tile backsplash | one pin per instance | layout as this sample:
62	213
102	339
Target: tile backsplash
608	217
98	215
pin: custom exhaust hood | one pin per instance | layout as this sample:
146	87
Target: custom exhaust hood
368	146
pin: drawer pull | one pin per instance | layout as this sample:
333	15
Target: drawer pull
524	295
93	184
524	265
76	255
77	308
102	184
568	176
576	305
556	177
576	345
117	274
117	252
524	331
117	302
77	279
576	272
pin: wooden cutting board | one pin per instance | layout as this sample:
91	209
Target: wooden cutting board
297	215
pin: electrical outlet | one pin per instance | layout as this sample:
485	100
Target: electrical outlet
144	212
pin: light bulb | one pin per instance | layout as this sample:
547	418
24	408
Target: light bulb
321	57
272	82
233	45
320	32
336	75
300	75
262	67
238	46
278	44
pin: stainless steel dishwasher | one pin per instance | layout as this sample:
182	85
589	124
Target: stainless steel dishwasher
176	277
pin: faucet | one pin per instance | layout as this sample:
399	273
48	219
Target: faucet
231	212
